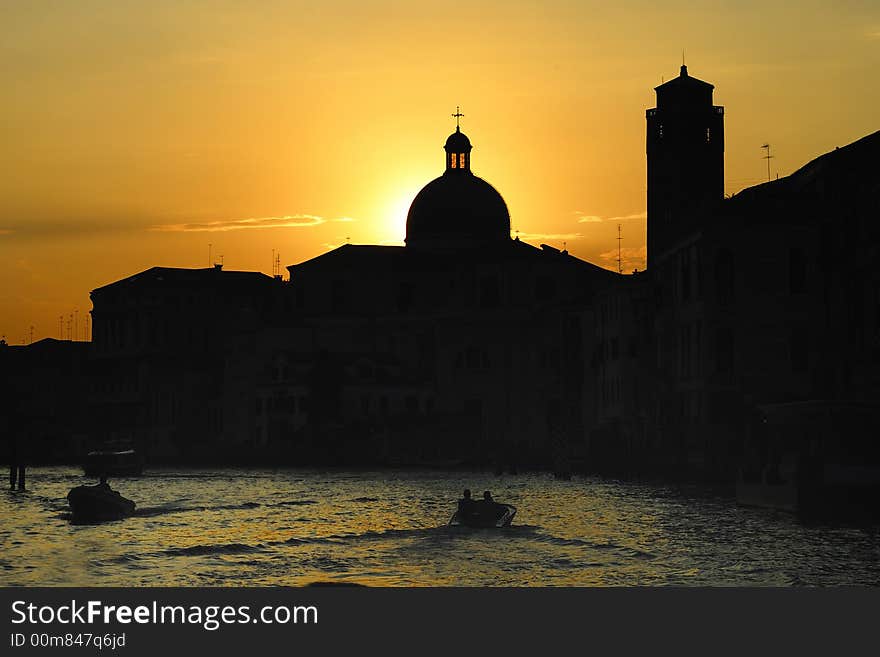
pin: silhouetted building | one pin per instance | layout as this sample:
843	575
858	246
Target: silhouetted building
43	402
467	345
459	345
685	147
762	298
160	340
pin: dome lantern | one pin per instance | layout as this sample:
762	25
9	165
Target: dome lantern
458	149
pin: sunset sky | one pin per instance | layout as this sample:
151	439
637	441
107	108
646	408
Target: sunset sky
136	134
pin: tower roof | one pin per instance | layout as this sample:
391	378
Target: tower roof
458	142
684	81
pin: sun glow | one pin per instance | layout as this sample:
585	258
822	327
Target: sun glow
393	222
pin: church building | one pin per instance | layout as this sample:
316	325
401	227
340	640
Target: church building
463	344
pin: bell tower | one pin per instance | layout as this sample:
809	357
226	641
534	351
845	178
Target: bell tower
685	148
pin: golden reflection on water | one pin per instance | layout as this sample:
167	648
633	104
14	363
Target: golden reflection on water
233	527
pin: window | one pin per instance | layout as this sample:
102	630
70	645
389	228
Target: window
724	351
724	276
685	269
405	296
708	135
545	288
339	294
490	293
796	270
799	353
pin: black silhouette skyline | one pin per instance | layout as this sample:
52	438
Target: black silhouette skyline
468	348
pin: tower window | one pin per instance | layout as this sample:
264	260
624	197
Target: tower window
453	161
708	135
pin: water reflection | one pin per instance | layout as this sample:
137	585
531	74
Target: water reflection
230	527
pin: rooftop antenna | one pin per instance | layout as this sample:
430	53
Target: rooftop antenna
60	327
767	157
273	262
619	261
32	334
210	262
457	116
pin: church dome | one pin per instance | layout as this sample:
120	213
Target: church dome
458	208
458	141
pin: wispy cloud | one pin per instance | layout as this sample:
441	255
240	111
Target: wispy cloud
631	257
584	218
5	231
287	221
549	236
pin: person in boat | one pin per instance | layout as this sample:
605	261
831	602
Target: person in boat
487	496
466	503
103	485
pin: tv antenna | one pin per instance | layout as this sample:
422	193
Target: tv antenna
619	261
276	264
767	157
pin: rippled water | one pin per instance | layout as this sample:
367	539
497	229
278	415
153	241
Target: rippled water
292	527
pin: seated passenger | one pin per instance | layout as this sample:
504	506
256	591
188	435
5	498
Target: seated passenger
465	504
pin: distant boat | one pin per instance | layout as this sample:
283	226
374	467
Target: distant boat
815	458
98	503
113	463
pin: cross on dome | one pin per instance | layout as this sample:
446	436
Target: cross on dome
457	116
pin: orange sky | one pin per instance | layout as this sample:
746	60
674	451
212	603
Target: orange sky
137	133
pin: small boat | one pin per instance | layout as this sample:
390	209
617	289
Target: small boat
98	503
484	513
113	463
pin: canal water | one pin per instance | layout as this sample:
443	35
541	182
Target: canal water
227	527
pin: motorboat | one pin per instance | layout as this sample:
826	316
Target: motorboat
483	513
98	503
113	462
